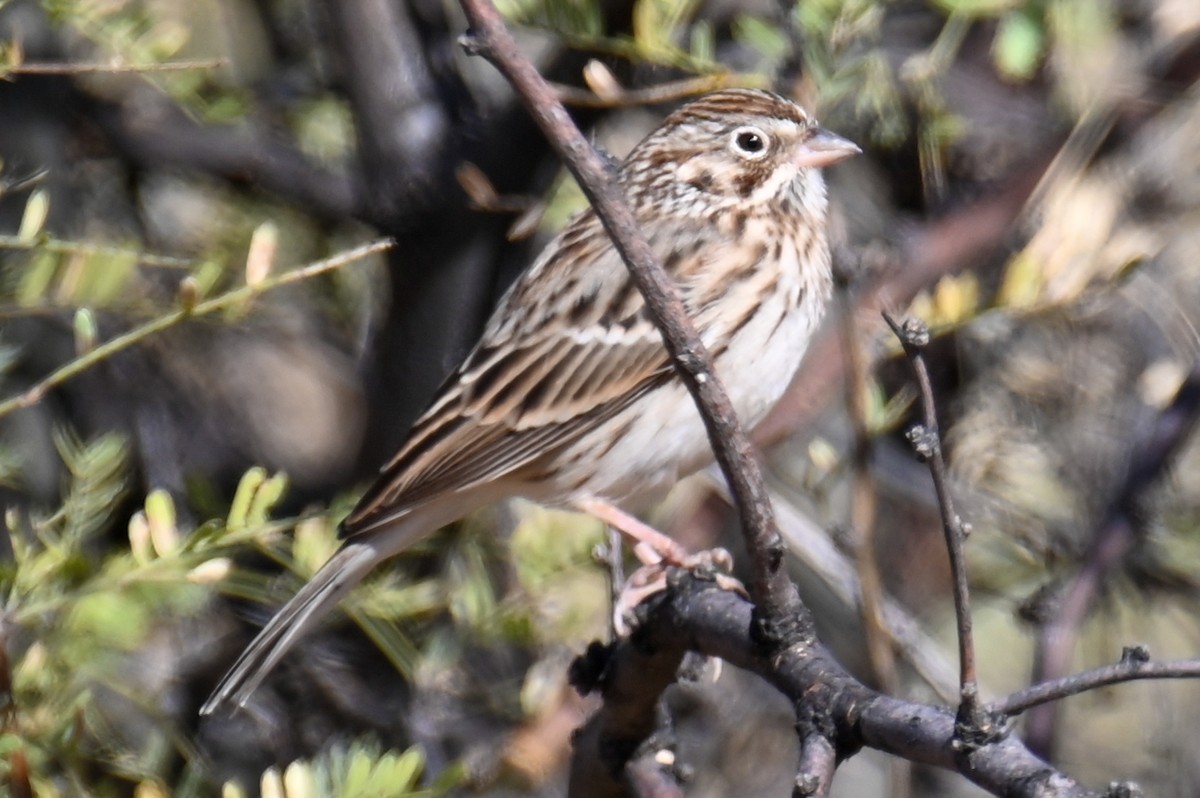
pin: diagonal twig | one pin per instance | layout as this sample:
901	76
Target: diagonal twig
226	301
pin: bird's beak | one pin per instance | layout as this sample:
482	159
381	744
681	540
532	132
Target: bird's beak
823	148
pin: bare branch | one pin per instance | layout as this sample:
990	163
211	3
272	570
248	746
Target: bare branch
151	129
1134	665
818	761
87	250
631	681
113	68
926	439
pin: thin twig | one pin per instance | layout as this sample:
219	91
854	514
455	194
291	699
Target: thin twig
116	68
914	336
650	95
1132	667
773	591
231	299
810	544
62	247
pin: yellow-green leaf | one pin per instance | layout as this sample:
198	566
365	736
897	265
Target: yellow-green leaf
1023	282
1019	44
84	325
37	209
240	508
160	516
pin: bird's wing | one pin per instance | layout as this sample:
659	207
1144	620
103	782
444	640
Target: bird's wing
548	369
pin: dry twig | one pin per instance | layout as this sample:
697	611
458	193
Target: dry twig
926	439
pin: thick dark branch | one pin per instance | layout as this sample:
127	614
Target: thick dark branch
773	591
1134	665
631	682
696	615
927	440
818	762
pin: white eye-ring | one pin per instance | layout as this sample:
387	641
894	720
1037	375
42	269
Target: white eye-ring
749	142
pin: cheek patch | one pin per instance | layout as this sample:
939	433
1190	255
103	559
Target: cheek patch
696	176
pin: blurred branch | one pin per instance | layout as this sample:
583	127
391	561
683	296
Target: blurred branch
62	247
113	68
229	300
863	512
1153	454
621	97
404	132
863	499
811	545
152	130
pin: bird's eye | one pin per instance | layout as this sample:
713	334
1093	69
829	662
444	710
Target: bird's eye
749	142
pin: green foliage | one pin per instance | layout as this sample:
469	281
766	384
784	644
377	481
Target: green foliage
360	770
146	35
1020	44
569	17
564	593
658	26
84	618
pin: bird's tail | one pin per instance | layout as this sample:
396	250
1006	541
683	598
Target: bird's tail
343	571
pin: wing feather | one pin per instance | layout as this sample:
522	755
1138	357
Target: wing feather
546	371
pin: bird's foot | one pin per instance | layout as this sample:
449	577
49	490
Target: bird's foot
657	553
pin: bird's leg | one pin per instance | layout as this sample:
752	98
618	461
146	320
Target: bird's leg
656	551
651	546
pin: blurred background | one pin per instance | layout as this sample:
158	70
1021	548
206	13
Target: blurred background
193	393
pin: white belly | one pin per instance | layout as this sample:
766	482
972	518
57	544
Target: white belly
664	439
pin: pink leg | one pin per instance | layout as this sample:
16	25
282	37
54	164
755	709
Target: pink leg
656	551
650	545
